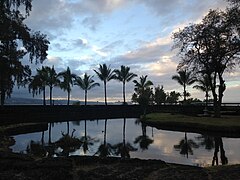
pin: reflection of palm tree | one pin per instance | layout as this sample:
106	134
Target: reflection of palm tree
122	148
36	149
50	133
105	74
86	140
185	146
68	144
67	82
86	84
219	145
185	79
105	149
123	75
206	141
143	140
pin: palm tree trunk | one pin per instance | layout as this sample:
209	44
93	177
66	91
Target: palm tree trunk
184	93
44	96
124	98
51	95
85	97
68	100
105	92
2	96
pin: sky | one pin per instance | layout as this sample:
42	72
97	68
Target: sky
134	33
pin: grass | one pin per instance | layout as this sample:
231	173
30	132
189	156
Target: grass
223	124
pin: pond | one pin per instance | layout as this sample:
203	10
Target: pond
128	138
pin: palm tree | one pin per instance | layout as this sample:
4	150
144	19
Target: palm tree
185	79
105	74
38	83
68	79
142	85
52	80
204	85
143	92
123	75
85	84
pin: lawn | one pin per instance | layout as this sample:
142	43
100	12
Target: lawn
225	123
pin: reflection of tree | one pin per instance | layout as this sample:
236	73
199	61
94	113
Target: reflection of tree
50	133
124	148
105	149
185	146
68	144
36	149
86	140
219	145
206	141
143	140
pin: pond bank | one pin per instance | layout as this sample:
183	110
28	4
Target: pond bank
226	126
19	166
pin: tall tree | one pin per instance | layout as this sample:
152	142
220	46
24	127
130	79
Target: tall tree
184	78
212	46
160	95
203	85
143	92
67	82
38	83
86	83
52	80
124	75
16	41
105	74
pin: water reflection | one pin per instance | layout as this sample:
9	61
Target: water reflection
219	145
186	146
124	138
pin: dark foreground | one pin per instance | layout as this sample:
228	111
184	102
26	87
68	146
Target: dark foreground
22	167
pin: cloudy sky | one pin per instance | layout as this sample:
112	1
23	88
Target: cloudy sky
134	33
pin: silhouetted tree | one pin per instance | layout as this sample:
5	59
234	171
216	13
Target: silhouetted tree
143	93
86	83
67	81
204	85
16	41
212	46
52	80
38	83
105	74
160	96
124	75
173	97
184	78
